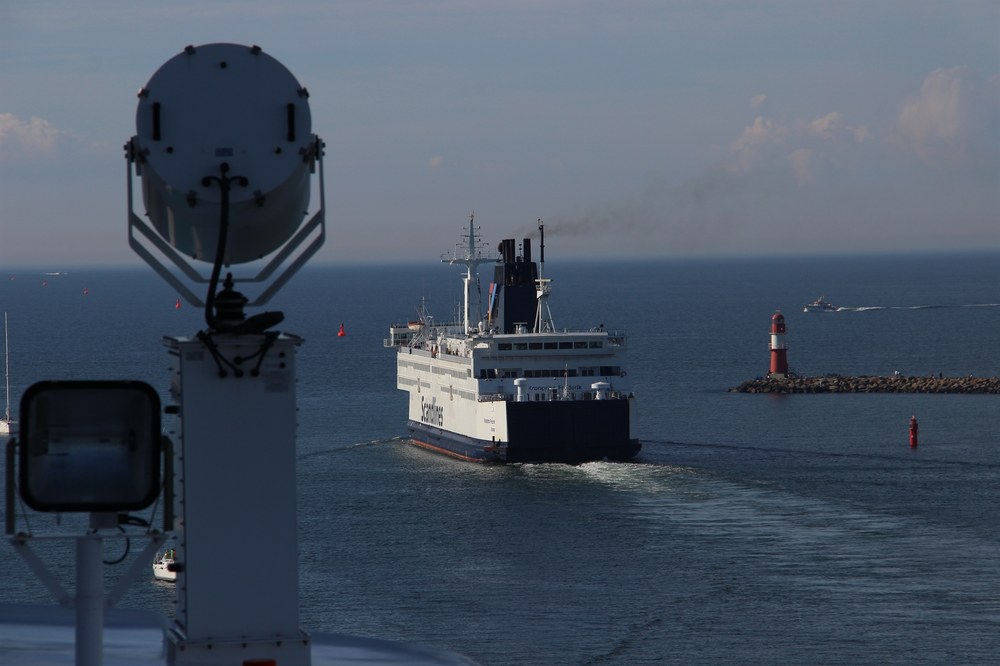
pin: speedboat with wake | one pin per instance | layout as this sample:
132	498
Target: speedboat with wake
820	305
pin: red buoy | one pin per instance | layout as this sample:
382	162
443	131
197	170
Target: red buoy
341	333
913	432
779	356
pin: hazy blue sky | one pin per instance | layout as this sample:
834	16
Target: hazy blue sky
633	128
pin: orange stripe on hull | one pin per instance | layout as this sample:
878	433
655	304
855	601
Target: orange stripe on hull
447	452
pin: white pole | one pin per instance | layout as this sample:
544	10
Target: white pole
89	601
468	282
6	366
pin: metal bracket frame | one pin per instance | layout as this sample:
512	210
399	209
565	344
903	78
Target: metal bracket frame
143	239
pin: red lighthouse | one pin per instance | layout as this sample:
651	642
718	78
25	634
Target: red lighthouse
779	357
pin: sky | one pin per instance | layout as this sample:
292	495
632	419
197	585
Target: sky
633	128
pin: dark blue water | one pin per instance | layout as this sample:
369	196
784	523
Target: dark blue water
753	528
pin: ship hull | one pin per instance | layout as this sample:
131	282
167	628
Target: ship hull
570	431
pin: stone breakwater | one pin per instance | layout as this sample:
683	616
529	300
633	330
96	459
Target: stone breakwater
870	384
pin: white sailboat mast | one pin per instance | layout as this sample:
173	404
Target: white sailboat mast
471	256
6	368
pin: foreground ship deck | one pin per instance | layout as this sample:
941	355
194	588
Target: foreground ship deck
511	387
44	635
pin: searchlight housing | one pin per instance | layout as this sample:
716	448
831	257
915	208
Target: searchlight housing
225	152
90	446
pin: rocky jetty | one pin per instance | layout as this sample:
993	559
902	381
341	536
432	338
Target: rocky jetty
870	384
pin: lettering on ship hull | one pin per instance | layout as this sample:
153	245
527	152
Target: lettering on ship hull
431	413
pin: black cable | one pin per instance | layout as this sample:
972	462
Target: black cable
220	250
128	546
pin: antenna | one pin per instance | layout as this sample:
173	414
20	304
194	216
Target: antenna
543	288
471	257
541	233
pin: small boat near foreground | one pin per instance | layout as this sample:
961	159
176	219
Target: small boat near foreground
162	566
820	305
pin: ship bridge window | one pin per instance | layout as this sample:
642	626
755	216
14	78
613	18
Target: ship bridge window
520	346
610	370
488	373
587	372
595	344
534	345
507	373
504	346
580	344
565	345
552	345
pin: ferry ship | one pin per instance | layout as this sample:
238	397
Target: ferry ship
510	387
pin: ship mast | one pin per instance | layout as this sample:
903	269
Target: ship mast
543	287
6	368
470	256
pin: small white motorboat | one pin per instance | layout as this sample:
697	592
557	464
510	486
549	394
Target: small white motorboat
820	305
162	569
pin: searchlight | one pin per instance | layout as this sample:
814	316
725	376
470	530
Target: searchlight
225	152
90	446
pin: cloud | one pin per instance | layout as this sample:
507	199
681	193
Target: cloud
760	132
935	112
787	185
826	126
767	143
435	162
860	133
31	138
955	118
37	141
800	159
756	140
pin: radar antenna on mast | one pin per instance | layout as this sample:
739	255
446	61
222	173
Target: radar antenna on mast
471	256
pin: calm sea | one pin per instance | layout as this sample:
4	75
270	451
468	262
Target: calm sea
752	528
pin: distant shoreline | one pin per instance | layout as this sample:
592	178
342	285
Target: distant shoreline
870	384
